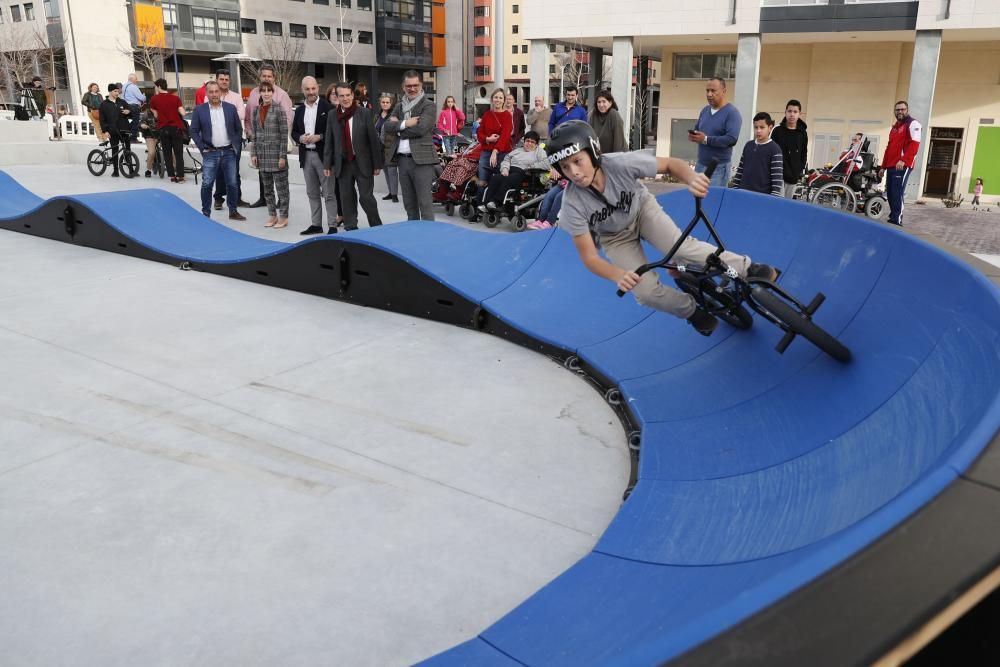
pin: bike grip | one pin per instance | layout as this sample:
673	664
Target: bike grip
712	165
620	293
641	270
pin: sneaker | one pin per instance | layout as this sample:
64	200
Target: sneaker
704	323
763	272
236	215
218	204
149	174
492	206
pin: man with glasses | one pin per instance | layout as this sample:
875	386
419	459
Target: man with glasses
223	78
897	163
413	119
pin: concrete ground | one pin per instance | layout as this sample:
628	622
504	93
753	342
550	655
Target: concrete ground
199	470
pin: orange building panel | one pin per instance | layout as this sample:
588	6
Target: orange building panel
438	52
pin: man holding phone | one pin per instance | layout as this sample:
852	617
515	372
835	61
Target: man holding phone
716	132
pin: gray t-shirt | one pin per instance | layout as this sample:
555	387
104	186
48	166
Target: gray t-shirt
583	210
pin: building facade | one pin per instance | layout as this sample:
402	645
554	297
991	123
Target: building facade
847	61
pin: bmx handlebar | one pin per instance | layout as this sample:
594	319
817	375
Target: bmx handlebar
645	268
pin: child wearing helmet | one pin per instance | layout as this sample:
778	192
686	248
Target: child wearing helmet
606	204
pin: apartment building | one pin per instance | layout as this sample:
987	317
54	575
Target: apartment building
847	61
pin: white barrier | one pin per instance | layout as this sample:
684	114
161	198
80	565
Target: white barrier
77	128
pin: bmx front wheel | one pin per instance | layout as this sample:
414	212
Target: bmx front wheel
129	164
723	305
96	163
799	324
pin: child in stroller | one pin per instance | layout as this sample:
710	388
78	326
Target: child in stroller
456	185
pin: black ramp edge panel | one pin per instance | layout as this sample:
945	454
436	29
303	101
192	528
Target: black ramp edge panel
330	267
860	611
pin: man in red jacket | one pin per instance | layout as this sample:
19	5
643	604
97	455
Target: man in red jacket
900	151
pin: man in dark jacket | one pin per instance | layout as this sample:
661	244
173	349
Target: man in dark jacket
308	131
352	153
793	140
114	116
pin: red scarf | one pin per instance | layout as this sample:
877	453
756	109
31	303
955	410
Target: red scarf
344	116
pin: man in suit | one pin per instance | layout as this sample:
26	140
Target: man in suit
413	119
308	131
218	133
353	154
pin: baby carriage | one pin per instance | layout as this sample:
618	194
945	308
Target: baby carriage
453	185
851	185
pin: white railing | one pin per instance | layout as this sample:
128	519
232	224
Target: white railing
77	128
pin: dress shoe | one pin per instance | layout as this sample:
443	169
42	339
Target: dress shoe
207	214
395	199
333	230
257	204
313	229
218	204
236	215
114	174
242	204
387	198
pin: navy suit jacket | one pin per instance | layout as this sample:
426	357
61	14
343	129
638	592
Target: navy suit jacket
299	128
201	126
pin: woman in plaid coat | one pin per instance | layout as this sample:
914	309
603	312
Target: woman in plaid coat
270	153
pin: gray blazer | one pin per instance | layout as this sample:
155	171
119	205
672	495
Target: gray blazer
270	140
421	135
364	140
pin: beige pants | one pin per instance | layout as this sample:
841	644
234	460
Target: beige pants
654	225
150	152
96	117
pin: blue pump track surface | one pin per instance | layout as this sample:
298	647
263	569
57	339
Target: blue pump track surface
758	472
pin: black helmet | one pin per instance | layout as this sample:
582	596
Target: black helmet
570	138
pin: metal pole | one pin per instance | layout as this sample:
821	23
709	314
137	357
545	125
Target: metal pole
173	43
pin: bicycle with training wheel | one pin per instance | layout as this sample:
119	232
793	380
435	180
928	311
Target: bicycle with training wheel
718	289
99	159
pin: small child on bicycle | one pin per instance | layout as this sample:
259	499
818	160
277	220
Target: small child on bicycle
606	204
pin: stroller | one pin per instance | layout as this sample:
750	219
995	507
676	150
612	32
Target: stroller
456	186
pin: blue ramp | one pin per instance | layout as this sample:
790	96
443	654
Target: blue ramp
757	472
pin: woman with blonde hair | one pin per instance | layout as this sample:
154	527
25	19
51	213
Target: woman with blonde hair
496	128
270	153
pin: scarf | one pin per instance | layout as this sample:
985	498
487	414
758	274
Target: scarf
262	111
408	104
343	116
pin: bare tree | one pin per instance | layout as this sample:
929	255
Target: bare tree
347	39
150	48
284	54
18	55
577	69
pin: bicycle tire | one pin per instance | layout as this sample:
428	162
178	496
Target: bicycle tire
799	324
129	164
96	164
735	315
158	166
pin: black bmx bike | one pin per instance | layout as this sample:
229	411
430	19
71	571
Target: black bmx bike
718	289
101	158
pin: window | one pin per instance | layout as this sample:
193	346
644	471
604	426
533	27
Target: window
482	70
170	18
321	32
704	65
478	31
365	5
409	43
391	44
552	48
513	9
204	26
365	37
481	11
513	49
786	3
513	69
272	28
297	30
346	4
1	15
29	11
228	29
247	26
524	69
51	10
298	0
345	35
15	13
481	51
524	48
513	29
427	12
552	69
168	64
322	2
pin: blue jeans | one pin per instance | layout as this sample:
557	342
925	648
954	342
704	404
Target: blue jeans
895	187
214	161
486	172
449	143
551	205
721	175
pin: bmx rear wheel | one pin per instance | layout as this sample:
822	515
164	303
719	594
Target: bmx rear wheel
799	324
96	163
129	164
730	312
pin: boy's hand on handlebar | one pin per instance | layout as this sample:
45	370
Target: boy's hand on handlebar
698	185
628	280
